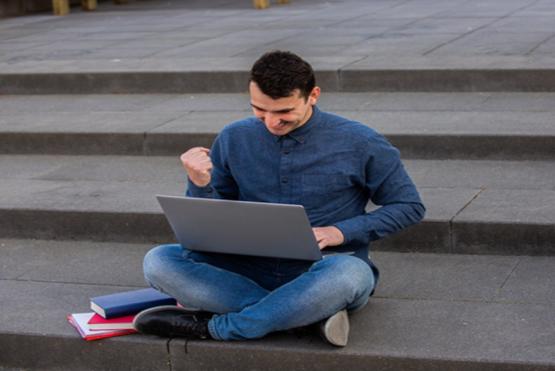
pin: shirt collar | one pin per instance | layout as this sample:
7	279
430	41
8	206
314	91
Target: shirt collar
301	133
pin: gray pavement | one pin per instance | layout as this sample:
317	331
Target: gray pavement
421	317
226	29
158	46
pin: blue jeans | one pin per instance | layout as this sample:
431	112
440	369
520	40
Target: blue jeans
253	296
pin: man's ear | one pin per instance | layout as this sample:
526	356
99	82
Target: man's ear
314	95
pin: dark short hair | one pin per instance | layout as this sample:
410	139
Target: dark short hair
278	73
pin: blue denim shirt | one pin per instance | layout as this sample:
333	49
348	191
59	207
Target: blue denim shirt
331	165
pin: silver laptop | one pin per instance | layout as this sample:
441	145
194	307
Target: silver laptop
240	227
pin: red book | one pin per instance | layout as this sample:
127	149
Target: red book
97	322
79	322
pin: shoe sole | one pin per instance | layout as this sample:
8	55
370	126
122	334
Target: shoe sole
336	329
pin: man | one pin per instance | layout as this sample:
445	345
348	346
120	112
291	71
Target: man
290	152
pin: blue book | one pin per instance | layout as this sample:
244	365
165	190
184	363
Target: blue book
129	302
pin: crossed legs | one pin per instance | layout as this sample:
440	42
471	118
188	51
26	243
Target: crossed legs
255	296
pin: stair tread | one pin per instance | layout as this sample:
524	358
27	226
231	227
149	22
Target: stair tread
522	190
494	114
420	311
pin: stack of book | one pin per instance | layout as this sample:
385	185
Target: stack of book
113	314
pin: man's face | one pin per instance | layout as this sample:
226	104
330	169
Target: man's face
282	115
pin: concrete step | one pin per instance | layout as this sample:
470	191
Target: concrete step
218	75
354	45
513	126
497	207
430	312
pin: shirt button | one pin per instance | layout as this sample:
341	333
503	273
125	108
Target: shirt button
284	179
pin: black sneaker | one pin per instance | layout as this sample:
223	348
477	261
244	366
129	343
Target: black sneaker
172	321
335	330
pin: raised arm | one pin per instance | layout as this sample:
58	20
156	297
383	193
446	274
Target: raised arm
208	173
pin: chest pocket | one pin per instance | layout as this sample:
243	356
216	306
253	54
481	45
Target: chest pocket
321	189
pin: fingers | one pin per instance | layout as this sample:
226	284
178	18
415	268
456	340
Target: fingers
195	153
320	238
197	160
323	243
328	236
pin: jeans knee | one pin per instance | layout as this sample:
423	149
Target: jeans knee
155	261
352	274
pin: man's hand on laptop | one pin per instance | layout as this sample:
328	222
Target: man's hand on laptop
328	236
198	165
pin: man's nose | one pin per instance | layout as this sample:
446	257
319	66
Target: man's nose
271	119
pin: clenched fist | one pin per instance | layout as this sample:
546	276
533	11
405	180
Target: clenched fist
198	165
